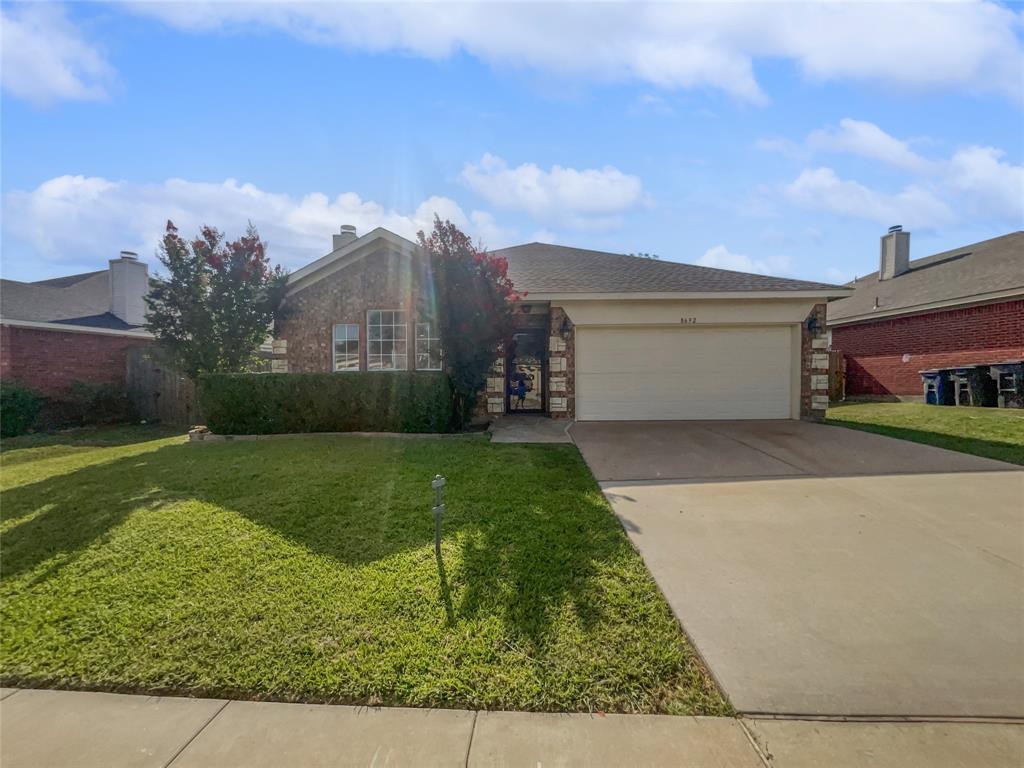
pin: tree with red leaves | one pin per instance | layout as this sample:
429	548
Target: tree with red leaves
473	298
214	307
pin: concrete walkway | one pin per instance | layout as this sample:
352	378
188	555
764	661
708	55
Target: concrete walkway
63	728
528	428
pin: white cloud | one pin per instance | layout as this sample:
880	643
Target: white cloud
974	180
85	220
865	139
721	257
45	59
913	206
591	198
994	185
972	46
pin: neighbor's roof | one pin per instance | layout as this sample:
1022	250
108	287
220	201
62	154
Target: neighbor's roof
73	300
539	268
68	280
982	271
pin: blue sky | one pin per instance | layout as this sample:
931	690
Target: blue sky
774	138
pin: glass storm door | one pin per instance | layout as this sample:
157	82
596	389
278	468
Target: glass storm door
526	370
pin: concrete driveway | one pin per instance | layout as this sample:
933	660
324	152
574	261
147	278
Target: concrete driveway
825	571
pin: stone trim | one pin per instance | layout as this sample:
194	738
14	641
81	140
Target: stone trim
814	365
561	365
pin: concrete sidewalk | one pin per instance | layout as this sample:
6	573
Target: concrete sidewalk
63	728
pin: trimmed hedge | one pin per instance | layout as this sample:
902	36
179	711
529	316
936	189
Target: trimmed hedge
19	407
84	404
275	403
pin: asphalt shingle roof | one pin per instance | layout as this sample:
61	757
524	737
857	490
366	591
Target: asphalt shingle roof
542	268
73	300
68	280
962	273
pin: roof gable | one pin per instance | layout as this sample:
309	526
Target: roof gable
349	253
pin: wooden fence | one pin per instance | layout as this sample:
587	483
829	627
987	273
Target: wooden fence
158	391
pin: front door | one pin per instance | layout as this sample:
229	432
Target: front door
526	367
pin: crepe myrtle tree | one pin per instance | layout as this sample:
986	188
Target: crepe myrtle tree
213	308
472	298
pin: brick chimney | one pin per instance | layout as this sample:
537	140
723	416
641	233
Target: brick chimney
348	234
895	253
129	283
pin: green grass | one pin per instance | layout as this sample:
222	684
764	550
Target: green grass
996	433
303	569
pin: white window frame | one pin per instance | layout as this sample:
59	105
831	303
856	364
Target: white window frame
399	332
431	341
348	338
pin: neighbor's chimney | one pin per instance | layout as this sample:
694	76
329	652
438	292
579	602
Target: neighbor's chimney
129	283
895	257
348	234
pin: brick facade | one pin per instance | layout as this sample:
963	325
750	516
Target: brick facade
883	357
385	280
814	365
50	361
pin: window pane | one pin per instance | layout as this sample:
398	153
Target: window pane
346	347
386	334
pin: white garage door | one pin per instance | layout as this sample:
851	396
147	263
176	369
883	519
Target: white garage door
683	373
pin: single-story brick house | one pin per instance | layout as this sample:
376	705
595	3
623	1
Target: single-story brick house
601	336
949	309
75	328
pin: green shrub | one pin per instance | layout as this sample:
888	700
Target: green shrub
274	403
86	404
19	407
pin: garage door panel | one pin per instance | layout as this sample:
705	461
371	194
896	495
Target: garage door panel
683	373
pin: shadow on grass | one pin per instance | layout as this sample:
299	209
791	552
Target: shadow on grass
989	449
530	526
17	450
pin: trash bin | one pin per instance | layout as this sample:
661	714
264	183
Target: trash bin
973	385
1009	378
938	387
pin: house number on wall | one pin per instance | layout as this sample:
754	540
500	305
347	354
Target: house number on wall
687	320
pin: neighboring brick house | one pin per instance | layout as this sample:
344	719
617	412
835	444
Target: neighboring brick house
73	329
599	336
954	308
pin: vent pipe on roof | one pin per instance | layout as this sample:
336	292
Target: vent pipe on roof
347	235
894	258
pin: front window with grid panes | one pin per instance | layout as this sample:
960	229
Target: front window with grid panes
386	342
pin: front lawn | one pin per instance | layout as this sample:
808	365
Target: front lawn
303	568
996	433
